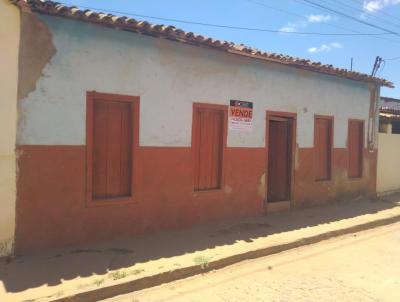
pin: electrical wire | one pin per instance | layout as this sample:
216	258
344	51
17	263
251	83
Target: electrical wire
322	9
350	17
297	15
378	12
343	5
302	16
393	59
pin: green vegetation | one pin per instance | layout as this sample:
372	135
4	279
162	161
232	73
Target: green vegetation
203	261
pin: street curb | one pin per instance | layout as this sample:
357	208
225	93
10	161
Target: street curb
181	273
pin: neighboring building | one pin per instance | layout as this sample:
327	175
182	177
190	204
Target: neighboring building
9	44
124	128
389	115
389	146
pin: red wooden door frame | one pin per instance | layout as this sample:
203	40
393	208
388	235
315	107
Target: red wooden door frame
91	96
224	109
271	115
279	164
332	125
362	143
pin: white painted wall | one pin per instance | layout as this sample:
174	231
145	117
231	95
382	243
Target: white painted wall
9	46
388	179
169	77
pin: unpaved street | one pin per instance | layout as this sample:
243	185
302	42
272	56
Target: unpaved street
359	267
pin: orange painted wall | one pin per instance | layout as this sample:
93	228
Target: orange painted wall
52	211
309	192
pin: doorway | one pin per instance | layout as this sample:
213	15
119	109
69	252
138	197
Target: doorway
280	139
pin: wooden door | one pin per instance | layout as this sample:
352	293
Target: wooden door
112	149
323	148
208	145
279	159
356	143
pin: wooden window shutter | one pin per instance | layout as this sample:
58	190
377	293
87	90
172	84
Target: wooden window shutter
355	148
323	144
208	146
112	129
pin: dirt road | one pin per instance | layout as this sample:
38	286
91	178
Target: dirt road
358	267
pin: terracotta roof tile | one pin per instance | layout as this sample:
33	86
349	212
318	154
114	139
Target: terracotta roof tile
389	106
175	34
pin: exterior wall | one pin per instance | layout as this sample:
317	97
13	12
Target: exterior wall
385	127
388	163
168	77
9	39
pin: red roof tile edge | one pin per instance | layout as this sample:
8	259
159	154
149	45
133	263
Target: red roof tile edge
178	35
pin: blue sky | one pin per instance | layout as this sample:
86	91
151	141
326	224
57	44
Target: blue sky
287	16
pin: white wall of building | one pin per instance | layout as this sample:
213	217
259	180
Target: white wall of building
388	163
169	77
9	41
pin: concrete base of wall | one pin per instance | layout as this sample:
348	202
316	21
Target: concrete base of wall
387	193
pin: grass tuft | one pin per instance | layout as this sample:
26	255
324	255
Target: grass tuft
203	261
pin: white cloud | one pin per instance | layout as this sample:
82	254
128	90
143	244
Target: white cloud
291	27
325	47
319	18
376	5
287	29
310	19
336	45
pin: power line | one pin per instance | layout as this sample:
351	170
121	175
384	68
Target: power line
350	17
379	12
392	59
302	16
297	15
365	14
323	10
227	26
274	8
358	10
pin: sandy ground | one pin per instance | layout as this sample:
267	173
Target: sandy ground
358	267
92	268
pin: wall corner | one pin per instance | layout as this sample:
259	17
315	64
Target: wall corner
9	37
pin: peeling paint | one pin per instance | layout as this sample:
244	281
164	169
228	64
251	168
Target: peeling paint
36	51
296	157
261	187
6	247
228	189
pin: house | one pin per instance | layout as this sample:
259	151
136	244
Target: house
389	146
389	115
125	127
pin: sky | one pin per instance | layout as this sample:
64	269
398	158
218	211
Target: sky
287	18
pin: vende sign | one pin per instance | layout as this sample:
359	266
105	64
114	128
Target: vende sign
240	115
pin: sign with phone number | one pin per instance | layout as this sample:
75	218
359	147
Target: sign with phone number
240	115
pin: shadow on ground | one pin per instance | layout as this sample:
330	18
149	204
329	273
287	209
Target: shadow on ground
52	267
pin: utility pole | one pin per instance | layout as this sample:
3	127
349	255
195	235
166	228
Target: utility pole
377	65
351	64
